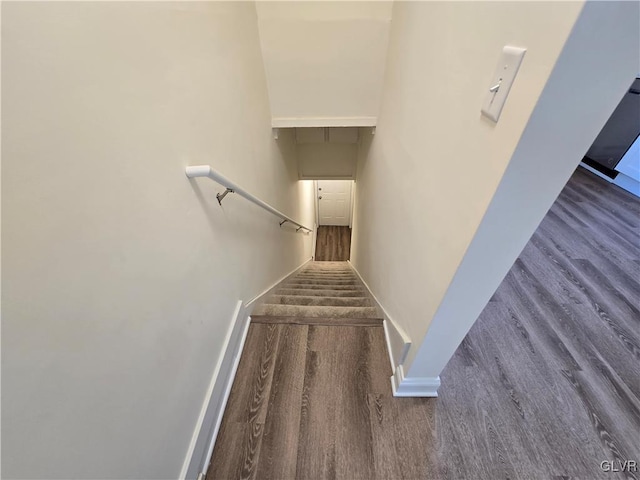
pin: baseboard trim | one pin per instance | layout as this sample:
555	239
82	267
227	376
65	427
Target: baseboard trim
216	396
203	439
227	392
595	172
398	342
623	181
413	387
628	183
387	338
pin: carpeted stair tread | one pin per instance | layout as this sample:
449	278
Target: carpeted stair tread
313	286
316	311
321	321
318	281
327	277
312	273
317	301
325	272
328	270
320	293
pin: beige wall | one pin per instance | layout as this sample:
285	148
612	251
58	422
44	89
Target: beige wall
440	162
120	276
324	60
327	161
593	72
438	159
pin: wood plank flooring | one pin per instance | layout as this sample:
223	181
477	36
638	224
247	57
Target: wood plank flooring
333	244
545	385
310	430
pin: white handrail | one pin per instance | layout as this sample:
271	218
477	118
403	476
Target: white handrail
207	171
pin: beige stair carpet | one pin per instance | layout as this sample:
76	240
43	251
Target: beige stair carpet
322	293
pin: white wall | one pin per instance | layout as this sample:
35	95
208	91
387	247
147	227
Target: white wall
441	162
629	168
120	276
630	162
324	60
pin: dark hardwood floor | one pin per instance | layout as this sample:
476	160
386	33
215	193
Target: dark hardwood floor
545	385
333	244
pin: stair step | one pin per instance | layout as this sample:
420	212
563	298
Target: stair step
323	286
327	274
330	322
317	301
316	311
323	282
339	281
346	271
327	277
319	293
324	293
341	269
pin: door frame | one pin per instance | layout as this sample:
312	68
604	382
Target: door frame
316	224
353	207
317	203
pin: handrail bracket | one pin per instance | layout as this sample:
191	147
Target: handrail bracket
194	171
221	197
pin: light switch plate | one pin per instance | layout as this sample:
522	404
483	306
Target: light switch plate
503	78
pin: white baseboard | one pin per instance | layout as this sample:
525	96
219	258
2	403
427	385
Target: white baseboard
387	338
628	183
206	431
398	342
413	387
216	396
234	369
595	172
623	181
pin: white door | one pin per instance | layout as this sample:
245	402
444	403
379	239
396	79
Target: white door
334	202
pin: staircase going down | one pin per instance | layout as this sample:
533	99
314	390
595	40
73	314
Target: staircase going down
322	293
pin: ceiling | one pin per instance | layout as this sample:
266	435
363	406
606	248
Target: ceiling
324	61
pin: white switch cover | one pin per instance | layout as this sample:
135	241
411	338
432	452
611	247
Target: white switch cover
503	78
